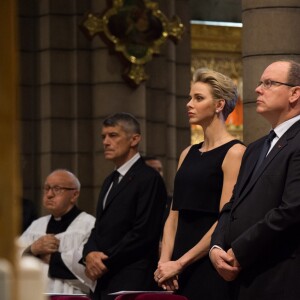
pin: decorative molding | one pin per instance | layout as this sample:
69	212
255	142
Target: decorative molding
219	48
216	38
231	66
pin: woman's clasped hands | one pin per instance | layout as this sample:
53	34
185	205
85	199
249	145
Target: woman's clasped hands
166	275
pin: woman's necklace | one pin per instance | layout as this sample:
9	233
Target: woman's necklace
217	143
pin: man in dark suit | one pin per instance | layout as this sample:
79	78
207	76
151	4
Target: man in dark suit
256	244
122	251
157	165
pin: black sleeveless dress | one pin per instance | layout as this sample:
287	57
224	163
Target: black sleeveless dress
197	192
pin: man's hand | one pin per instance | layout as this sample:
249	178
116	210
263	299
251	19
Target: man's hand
225	263
95	268
235	263
46	244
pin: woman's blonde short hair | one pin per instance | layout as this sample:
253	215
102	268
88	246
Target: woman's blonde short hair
222	87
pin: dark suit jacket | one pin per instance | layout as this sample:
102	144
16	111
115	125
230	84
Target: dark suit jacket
262	222
128	230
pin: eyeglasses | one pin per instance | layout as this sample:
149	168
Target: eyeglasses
56	190
266	84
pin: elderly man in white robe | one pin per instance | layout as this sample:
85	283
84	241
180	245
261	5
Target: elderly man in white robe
57	239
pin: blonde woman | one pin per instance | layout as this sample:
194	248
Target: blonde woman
204	182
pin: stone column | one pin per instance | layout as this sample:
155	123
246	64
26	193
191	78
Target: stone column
166	96
270	33
55	95
9	134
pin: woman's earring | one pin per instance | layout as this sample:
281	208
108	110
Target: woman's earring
217	111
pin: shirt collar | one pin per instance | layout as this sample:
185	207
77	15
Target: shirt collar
282	128
125	167
72	213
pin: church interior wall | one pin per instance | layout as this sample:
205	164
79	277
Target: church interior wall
70	83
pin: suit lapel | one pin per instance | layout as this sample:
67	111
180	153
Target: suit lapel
252	180
248	182
103	192
123	183
249	167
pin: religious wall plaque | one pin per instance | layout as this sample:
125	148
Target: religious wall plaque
135	29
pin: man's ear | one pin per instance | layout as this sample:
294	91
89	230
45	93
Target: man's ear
294	98
135	139
75	197
295	94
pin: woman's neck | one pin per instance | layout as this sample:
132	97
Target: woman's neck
214	137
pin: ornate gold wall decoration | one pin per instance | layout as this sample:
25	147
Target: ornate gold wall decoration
219	48
136	29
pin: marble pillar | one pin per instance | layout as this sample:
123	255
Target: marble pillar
10	183
270	33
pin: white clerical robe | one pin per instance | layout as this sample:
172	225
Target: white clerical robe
71	245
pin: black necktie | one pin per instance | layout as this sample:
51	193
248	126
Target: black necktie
265	149
114	181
